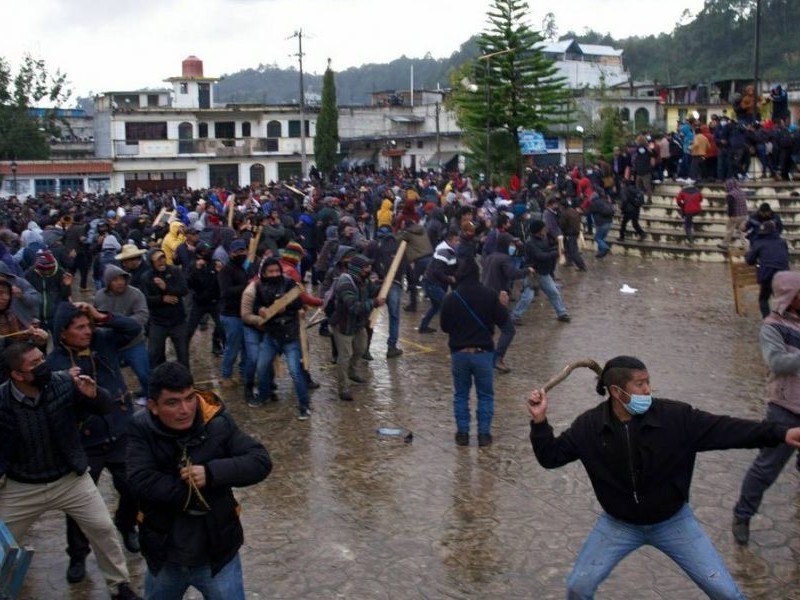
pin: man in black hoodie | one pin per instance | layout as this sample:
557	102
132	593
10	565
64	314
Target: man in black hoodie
87	338
164	288
469	315
541	253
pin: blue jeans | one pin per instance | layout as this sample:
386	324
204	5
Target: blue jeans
252	342
767	466
136	358
680	537
525	299
172	582
234	344
267	352
550	289
600	234
393	304
436	294
466	368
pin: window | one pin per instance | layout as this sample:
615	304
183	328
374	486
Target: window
152	100
225	130
257	174
44	186
641	119
135	132
71	184
246	129
294	129
420	144
202	131
287	170
274	129
184	88
271	145
407	144
625	115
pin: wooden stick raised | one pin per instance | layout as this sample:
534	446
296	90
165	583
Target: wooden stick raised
293	189
15	334
254	239
387	281
267	312
304	339
231	208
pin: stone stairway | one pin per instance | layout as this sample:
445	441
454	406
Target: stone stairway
663	223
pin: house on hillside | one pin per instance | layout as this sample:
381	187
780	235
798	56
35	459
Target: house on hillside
586	65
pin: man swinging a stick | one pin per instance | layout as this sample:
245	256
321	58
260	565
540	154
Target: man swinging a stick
639	453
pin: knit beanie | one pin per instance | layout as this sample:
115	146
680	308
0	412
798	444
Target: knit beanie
357	264
293	253
45	262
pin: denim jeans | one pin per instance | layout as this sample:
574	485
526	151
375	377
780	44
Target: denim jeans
507	333
600	234
767	466
172	581
234	344
137	359
680	537
252	343
466	368
550	289
393	305
436	294
525	299
267	352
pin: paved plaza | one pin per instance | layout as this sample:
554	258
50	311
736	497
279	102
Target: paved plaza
348	514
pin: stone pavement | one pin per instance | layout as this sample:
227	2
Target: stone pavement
346	514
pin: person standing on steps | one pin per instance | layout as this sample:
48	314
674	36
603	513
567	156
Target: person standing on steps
689	201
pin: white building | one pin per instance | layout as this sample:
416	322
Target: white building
586	65
175	137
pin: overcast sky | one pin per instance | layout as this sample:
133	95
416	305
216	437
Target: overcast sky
115	45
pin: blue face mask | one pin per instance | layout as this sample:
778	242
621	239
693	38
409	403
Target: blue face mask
512	250
638	404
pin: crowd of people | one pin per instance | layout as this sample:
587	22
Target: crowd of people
94	284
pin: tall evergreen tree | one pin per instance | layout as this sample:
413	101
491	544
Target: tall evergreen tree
326	139
515	88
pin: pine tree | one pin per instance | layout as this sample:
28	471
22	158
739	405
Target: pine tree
326	139
515	88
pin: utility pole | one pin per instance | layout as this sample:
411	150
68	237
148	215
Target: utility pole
756	91
438	141
303	158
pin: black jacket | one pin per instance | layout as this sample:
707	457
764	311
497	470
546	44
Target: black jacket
232	281
541	254
641	471
231	459
62	401
162	313
463	327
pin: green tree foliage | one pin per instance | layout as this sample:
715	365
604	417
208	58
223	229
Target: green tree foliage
611	131
327	137
22	136
515	87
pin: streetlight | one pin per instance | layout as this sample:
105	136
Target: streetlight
580	131
14	175
486	58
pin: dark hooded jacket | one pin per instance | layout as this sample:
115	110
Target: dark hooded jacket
770	252
26	307
162	313
283	327
498	267
169	528
101	362
780	343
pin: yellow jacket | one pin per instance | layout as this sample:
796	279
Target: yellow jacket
172	240
385	213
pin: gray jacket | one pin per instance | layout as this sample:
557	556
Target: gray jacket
26	307
131	303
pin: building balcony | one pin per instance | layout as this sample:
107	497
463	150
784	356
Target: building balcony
222	148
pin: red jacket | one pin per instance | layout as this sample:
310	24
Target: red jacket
291	271
689	200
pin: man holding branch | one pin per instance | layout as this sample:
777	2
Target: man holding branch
390	266
639	453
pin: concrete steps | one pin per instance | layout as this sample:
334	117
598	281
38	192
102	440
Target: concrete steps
663	223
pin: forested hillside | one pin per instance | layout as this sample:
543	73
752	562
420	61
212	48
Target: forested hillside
715	44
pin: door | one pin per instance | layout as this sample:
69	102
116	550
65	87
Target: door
204	95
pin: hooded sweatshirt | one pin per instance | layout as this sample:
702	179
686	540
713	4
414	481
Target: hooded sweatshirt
172	240
385	213
26	307
130	303
101	362
780	344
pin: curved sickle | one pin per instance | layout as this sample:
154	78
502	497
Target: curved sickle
565	372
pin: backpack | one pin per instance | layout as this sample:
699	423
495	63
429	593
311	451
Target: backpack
329	299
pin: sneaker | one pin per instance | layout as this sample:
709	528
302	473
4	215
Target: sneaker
254	401
124	592
484	439
426	330
227	383
346	396
303	414
501	367
741	530
565	318
217	350
462	438
393	352
412	308
367	356
76	571
311	384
